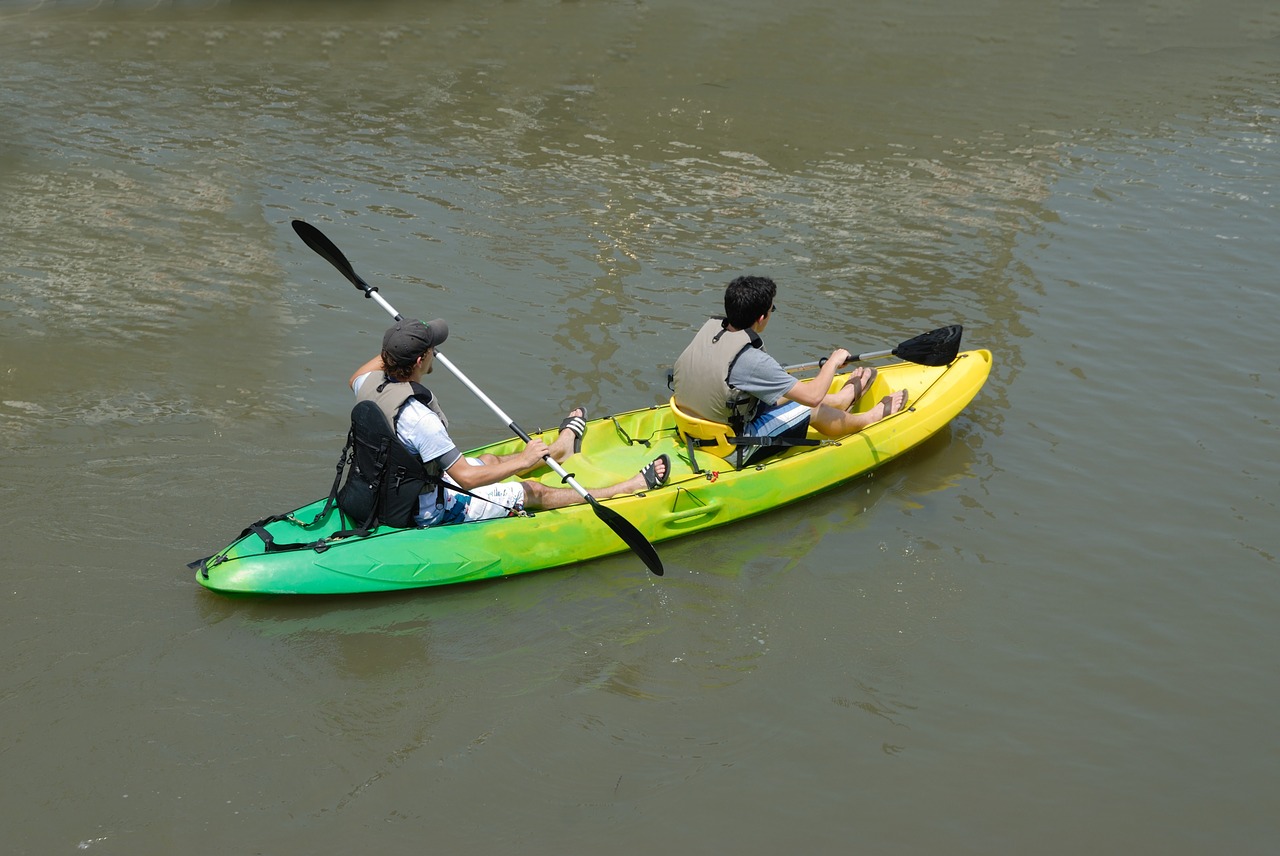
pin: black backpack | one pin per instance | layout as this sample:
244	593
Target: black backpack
384	478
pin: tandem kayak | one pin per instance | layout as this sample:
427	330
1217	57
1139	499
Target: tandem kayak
296	553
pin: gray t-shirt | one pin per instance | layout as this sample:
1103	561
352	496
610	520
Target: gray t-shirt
761	375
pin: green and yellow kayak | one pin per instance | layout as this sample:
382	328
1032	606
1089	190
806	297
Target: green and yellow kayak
298	555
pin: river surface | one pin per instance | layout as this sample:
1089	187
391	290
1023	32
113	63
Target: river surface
1052	629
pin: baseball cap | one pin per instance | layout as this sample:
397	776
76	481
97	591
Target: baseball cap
409	338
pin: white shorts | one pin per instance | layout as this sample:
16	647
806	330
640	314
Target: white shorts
503	498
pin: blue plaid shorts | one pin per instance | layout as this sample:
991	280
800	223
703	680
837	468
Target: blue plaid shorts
788	419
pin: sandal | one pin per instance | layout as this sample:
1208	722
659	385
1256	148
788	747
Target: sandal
889	409
650	473
859	386
576	424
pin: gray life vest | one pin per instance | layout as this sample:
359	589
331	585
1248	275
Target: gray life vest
701	375
391	395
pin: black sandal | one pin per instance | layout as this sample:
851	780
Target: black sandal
578	425
650	473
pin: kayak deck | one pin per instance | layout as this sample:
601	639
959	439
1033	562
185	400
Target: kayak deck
702	491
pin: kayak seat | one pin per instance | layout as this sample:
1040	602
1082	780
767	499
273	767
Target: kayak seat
714	437
719	438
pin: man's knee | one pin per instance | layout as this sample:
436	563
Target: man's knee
535	493
828	420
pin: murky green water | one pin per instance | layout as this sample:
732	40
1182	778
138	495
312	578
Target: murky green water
1049	630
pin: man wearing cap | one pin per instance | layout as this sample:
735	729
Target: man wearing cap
393	380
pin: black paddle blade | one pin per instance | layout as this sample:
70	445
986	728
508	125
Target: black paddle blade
316	240
935	348
630	534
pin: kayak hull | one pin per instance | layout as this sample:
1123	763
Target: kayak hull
695	498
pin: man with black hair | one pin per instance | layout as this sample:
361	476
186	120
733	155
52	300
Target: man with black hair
725	375
393	381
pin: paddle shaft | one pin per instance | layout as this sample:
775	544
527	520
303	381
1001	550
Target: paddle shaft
316	240
479	393
817	364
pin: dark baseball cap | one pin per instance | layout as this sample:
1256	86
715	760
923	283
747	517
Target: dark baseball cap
409	338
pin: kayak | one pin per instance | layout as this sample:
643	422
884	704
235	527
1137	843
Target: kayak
297	553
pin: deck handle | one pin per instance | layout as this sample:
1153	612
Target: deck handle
674	519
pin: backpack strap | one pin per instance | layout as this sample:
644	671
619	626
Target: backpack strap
344	459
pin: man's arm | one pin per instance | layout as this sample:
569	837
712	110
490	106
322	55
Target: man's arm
811	392
494	469
374	364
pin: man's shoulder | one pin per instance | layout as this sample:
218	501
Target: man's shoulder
760	375
416	414
757	360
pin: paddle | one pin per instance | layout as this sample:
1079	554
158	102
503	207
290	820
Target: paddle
315	239
935	348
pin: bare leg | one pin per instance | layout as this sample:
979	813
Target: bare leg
860	380
539	496
560	450
835	422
